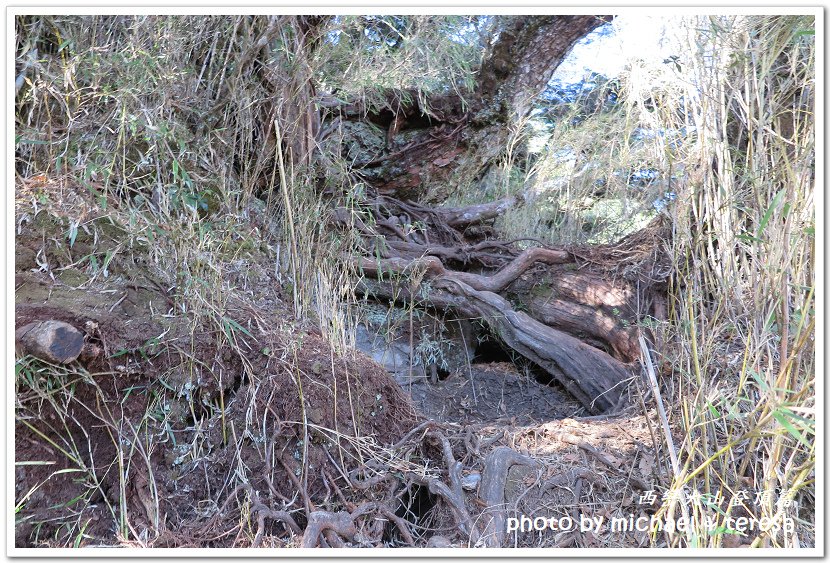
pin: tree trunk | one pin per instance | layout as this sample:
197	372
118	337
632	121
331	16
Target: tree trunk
551	306
453	141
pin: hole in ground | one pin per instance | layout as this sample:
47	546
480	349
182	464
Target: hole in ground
416	504
491	350
440	373
201	412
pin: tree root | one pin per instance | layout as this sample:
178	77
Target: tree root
593	377
363	484
455	502
463	216
491	492
433	267
382	509
258	509
341	523
577	318
599	456
262	512
581	327
423	427
336	525
453	466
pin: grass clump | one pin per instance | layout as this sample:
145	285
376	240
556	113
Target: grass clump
743	309
719	142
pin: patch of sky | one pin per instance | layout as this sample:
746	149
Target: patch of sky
472	32
609	48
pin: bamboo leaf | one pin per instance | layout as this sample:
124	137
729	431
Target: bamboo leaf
772	207
782	420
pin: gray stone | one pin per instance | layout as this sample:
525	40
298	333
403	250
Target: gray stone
393	356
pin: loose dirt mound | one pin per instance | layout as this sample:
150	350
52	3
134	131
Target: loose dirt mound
164	432
170	408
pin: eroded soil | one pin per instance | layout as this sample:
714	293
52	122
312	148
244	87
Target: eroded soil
233	425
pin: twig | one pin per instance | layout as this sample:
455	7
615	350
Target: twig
453	467
420	428
605	461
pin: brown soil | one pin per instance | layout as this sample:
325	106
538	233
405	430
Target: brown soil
203	443
162	415
491	393
244	428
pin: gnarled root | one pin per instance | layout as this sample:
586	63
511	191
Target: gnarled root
262	512
334	525
341	523
491	492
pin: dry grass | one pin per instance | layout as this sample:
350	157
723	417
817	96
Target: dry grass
175	140
729	133
742	315
168	123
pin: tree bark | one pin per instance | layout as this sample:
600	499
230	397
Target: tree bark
524	58
454	140
594	377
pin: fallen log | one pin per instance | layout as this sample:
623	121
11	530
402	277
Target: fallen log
593	377
52	341
579	327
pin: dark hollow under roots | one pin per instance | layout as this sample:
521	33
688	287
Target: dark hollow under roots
567	311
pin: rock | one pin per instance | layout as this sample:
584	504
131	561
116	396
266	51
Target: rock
394	357
470	482
52	341
439	541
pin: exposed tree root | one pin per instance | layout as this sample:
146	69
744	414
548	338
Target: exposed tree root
258	509
336	525
463	216
495	283
595	378
577	326
341	523
593	322
491	492
456	503
453	466
262	512
602	458
592	376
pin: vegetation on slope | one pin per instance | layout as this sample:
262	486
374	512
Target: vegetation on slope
199	195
